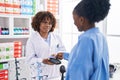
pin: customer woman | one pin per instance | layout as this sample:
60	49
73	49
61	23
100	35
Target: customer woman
89	58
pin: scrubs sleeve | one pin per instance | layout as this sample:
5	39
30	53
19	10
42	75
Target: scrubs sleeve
66	55
81	66
31	58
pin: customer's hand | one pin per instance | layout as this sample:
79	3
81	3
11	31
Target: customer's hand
46	61
59	55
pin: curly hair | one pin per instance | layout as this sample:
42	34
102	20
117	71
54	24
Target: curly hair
93	10
42	16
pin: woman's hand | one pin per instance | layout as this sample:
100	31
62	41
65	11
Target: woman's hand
46	61
59	56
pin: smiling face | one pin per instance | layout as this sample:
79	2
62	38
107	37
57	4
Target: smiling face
81	22
78	21
45	26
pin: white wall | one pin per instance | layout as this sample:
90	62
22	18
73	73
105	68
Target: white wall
113	31
69	32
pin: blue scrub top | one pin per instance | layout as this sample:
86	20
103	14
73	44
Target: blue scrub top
89	58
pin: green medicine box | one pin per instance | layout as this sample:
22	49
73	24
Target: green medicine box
1	65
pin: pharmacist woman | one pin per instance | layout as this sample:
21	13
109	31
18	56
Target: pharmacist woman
42	44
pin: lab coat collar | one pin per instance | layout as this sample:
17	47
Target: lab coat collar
50	39
40	37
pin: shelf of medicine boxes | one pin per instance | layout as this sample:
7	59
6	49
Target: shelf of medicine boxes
15	26
6	60
11	59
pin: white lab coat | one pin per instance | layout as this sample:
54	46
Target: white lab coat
38	49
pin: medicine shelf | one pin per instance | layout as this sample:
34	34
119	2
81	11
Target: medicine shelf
6	60
15	26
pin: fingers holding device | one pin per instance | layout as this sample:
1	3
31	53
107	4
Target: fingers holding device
59	56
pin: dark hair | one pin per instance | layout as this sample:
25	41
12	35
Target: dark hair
93	10
42	16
